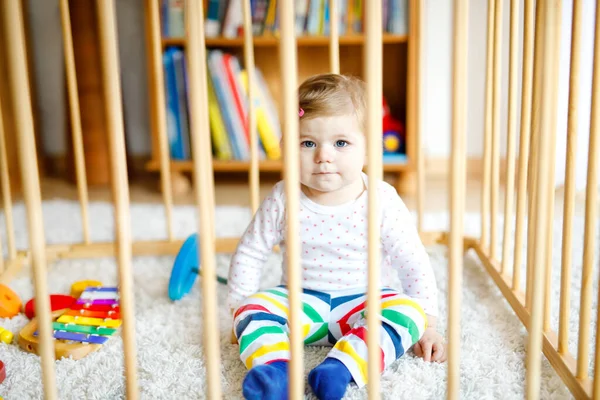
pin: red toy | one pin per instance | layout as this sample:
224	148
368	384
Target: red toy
2	372
393	131
57	302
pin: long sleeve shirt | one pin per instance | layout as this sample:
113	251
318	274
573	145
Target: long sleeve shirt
334	247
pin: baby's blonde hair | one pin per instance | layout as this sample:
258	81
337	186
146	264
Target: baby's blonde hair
329	94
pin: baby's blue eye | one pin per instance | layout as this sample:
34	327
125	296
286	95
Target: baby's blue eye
308	143
341	143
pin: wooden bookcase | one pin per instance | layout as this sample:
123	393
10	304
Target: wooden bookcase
400	85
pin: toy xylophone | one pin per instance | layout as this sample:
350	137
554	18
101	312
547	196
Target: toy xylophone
81	329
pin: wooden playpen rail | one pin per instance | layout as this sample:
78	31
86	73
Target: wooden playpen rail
534	185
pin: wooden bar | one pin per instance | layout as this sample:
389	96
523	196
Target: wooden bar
373	67
533	137
413	106
526	98
541	262
203	187
6	193
487	130
334	37
591	214
252	128
550	194
512	127
457	191
116	141
596	383
75	117
289	73
496	96
569	196
159	114
21	97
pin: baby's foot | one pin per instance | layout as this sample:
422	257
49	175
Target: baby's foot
268	381
329	379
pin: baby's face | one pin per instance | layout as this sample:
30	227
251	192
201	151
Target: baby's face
332	152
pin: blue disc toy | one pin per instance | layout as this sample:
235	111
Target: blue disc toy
185	269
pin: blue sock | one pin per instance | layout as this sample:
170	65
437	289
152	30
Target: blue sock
329	379
268	382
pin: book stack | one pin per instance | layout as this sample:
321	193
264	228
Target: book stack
225	18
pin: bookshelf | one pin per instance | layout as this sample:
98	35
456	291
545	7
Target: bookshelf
400	83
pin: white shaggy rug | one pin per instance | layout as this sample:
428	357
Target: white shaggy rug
169	335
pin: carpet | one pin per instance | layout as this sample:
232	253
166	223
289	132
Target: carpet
169	334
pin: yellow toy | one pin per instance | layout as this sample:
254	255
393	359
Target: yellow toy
78	287
6	336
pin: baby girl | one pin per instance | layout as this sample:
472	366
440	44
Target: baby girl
333	235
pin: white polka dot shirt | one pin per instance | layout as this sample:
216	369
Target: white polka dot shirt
334	247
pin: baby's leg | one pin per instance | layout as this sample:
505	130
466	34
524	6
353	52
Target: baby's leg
403	324
260	325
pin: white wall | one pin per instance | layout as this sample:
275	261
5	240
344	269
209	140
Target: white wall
436	89
436	75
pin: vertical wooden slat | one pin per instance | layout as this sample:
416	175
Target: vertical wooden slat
414	102
157	79
289	72
551	135
533	146
249	61
512	127
548	77
496	97
487	129
569	195
457	191
334	37
75	117
21	98
373	67
203	186
6	193
591	214
526	97
120	186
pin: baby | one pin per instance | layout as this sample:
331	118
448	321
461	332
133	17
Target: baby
333	235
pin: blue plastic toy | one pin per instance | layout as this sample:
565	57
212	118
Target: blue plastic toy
186	268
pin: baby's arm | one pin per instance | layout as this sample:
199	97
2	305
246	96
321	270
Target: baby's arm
254	247
408	256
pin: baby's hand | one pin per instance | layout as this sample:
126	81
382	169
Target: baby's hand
431	346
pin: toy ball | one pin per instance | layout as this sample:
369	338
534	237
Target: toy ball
57	302
6	336
10	302
391	142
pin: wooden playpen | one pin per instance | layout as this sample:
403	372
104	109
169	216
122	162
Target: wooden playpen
534	184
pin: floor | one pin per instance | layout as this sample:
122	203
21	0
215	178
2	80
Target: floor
235	191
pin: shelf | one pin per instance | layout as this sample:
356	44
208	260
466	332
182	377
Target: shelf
244	166
304	41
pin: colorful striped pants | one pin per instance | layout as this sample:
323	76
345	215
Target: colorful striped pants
329	319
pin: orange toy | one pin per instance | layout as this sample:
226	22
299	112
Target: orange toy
10	303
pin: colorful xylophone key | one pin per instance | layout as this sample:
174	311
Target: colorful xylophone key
109	323
78	337
102	302
92	330
96	307
94	314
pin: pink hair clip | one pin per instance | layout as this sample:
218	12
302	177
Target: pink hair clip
301	112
